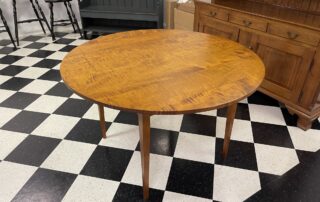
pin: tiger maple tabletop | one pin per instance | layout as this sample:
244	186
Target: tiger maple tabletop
162	72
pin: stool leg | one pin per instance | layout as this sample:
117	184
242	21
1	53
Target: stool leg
43	16
68	12
75	19
15	21
52	21
7	28
37	14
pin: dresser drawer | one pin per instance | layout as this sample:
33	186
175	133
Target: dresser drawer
212	11
248	21
295	33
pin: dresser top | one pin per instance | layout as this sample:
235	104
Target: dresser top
310	19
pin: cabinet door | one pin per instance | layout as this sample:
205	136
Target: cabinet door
217	27
287	65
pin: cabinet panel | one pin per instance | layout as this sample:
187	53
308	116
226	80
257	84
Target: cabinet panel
215	12
287	65
219	28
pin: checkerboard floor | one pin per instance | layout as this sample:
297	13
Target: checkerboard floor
51	149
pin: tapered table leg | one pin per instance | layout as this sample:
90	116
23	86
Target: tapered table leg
230	118
144	126
102	121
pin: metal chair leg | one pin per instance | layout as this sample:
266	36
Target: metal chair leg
38	17
71	20
15	20
43	17
75	19
7	28
52	21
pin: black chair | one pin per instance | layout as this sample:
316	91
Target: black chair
36	11
5	25
72	18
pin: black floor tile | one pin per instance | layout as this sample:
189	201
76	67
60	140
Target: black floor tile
32	38
12	70
199	124
51	75
15	83
9	59
19	100
192	178
299	184
5	42
108	163
162	142
46	185
33	150
68	48
266	178
74	107
41	53
25	122
36	45
7	50
60	89
242	112
270	134
127	118
86	131
240	155
128	192
47	63
262	99
64	41
291	120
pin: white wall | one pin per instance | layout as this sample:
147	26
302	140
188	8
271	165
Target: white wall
25	11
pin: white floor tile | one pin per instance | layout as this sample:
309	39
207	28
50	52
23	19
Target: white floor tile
5	94
109	114
46	104
167	122
172	196
9	141
4	78
78	42
241	130
159	171
69	156
12	177
234	184
2	66
53	47
38	86
57	55
87	189
28	61
23	52
122	136
195	147
6	114
305	140
275	160
32	72
209	113
56	126
266	114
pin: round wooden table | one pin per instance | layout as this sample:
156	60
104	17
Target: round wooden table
162	72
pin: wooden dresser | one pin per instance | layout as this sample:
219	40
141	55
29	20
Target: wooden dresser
285	34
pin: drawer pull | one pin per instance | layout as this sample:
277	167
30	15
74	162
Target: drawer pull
292	35
213	13
247	23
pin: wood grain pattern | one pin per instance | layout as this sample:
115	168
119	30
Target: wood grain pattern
162	71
